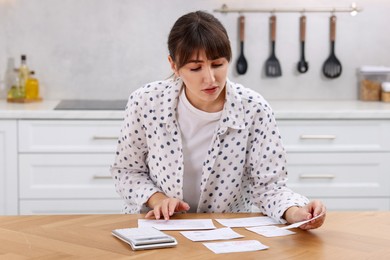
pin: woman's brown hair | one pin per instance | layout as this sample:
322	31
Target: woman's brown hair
198	31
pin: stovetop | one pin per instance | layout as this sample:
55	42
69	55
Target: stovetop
91	104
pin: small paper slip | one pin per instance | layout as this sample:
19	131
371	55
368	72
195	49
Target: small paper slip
298	224
235	246
247	222
270	231
216	234
177	224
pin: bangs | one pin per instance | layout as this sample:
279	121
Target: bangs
215	44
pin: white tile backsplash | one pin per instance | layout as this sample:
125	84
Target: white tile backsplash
107	48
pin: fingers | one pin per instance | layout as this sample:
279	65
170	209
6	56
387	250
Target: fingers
301	214
166	208
150	214
182	206
314	224
315	208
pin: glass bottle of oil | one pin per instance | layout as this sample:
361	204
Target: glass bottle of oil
24	73
32	87
14	91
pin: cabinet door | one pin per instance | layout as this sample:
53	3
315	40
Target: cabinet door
8	168
347	175
64	207
356	204
68	136
66	176
335	135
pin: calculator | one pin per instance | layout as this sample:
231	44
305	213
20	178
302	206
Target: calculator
144	238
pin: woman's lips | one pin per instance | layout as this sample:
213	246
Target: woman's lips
211	90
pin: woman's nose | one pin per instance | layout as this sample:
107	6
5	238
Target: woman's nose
209	75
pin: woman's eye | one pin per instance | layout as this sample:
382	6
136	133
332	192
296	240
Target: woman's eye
196	69
217	65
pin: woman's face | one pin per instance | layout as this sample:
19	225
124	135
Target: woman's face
204	81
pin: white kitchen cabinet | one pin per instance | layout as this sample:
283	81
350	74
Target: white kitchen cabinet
66	176
64	166
68	136
335	135
8	168
344	163
355	204
67	206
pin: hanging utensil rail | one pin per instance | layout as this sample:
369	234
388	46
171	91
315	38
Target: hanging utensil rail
353	10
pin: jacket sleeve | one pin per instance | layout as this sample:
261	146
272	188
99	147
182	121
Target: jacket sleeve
129	170
268	169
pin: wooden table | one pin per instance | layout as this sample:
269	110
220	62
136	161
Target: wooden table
345	235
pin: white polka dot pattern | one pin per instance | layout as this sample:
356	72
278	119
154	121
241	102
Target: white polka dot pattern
245	164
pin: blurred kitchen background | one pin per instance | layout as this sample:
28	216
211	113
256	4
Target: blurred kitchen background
105	49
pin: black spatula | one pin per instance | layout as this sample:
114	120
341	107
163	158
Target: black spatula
272	65
332	67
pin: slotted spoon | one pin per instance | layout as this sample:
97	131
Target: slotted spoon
242	64
303	66
272	65
332	67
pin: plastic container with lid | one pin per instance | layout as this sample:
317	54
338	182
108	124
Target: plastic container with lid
385	92
370	82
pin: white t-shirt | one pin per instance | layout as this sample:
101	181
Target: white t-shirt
197	129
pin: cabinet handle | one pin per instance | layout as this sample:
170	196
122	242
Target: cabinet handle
317	176
99	177
104	137
328	137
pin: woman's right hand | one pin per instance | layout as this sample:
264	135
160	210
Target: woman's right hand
164	206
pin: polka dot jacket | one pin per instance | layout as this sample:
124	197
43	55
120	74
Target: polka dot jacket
244	166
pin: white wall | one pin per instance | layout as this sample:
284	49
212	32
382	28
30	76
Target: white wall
107	48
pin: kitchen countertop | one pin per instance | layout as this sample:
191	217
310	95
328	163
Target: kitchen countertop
283	109
45	110
345	235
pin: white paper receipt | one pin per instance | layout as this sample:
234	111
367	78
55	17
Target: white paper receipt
247	222
298	224
235	246
270	231
177	224
216	234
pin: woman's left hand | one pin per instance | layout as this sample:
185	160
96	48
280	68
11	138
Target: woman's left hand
311	210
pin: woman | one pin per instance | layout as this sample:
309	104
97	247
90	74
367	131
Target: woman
201	143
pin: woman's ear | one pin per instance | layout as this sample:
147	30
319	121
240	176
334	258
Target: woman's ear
173	66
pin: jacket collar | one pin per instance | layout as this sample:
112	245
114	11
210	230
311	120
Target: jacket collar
233	114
